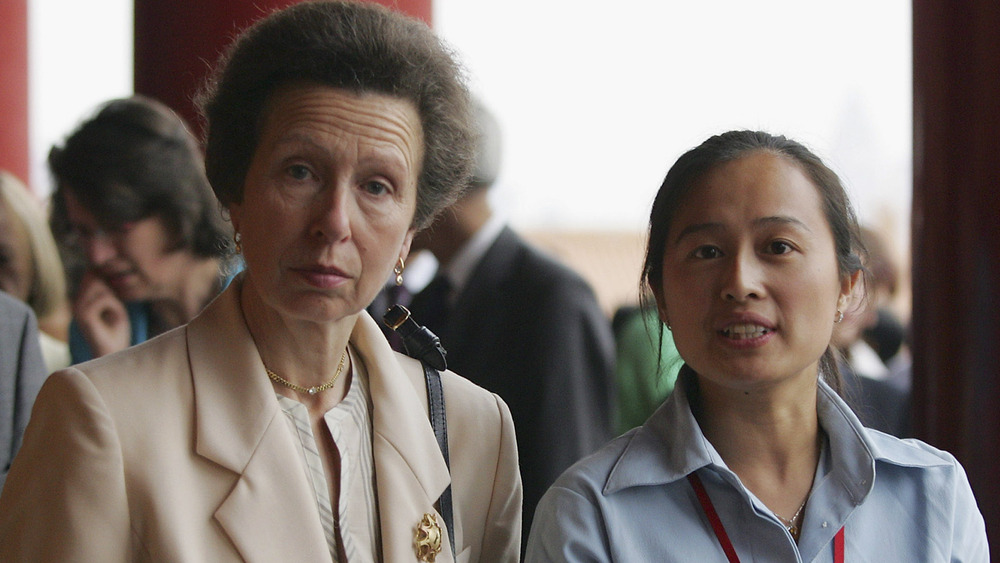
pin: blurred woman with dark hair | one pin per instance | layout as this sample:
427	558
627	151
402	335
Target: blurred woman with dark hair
141	231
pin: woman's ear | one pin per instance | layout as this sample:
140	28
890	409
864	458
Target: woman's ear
848	286
234	215
404	251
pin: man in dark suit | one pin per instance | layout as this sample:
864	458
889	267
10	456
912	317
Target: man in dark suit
522	325
21	375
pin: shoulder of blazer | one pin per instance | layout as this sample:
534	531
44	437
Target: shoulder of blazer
141	371
463	398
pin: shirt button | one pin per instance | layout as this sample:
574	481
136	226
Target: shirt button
825	524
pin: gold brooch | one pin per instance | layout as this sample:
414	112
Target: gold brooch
427	538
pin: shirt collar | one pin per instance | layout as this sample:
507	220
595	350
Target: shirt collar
671	445
465	260
668	447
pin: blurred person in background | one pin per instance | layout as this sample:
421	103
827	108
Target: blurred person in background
143	235
22	372
879	403
31	270
646	364
888	337
519	323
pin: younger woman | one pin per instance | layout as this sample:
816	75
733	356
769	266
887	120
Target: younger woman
753	254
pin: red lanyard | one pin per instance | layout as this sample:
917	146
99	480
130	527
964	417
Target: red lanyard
720	530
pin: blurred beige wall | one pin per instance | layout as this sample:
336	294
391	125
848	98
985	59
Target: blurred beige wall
610	260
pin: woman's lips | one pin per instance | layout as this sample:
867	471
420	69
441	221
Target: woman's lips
322	276
118	279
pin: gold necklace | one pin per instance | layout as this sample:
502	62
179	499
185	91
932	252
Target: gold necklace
311	390
790	525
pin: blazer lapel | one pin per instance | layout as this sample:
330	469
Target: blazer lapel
271	510
410	471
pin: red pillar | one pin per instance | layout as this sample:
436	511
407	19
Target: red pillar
14	88
420	9
956	237
177	42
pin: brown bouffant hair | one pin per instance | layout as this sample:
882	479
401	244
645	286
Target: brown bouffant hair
357	46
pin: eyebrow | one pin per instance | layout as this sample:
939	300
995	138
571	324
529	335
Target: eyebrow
761	222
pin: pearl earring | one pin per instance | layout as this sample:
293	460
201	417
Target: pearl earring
398	270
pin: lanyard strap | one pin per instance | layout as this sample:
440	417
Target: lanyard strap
838	546
713	518
723	537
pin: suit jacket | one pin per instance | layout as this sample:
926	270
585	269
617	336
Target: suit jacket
530	329
22	372
177	450
879	404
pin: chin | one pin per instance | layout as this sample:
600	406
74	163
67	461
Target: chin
321	309
132	294
741	374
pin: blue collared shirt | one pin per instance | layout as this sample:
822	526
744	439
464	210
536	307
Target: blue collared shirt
898	500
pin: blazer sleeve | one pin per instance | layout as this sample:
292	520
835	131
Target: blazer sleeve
502	536
574	361
65	496
22	382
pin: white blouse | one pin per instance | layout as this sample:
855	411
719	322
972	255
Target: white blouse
350	425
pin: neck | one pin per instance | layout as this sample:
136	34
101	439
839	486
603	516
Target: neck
200	284
456	226
304	353
771	440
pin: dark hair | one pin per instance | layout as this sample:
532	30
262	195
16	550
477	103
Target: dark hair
134	159
359	47
733	145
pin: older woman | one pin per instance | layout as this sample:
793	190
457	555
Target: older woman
137	221
279	424
753	254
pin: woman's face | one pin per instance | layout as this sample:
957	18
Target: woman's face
135	260
750	278
16	263
328	199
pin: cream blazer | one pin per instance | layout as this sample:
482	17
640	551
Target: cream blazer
177	450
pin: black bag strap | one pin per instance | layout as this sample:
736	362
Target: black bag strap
439	421
424	345
420	343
